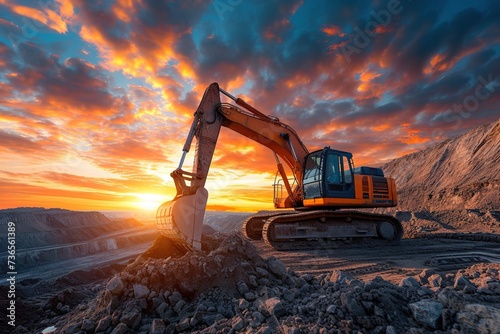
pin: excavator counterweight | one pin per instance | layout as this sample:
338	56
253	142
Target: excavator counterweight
324	181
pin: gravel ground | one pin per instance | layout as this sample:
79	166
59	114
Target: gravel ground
230	288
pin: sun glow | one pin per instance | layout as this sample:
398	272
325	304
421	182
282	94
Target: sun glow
149	202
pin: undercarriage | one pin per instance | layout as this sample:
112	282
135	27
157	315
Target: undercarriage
322	228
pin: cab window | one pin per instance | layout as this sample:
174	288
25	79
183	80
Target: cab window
347	170
333	169
312	170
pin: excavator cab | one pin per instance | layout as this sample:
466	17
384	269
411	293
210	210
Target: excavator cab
331	181
328	173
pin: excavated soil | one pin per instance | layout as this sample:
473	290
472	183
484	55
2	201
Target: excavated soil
164	247
443	277
235	285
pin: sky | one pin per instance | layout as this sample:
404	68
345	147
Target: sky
96	97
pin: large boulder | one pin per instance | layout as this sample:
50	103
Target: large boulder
275	307
480	318
115	286
277	267
140	291
427	312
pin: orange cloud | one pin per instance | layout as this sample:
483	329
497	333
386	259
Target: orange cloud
436	64
382	127
333	30
412	137
124	10
14	194
275	31
381	29
44	15
298	80
66	8
368	86
142	57
235	84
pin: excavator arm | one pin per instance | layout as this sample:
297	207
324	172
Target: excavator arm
182	218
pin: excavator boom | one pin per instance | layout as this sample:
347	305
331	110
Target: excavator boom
182	218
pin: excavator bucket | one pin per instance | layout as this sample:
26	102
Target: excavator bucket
181	219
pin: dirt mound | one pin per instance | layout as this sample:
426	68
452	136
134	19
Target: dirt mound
193	273
164	247
232	289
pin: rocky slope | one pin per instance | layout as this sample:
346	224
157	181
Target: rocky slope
459	173
50	235
37	227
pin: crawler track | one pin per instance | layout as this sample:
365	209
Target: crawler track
253	225
330	229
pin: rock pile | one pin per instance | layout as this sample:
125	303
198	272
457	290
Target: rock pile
232	289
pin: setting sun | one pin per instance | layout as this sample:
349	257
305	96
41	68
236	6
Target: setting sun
149	202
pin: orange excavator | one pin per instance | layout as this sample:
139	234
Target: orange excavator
323	182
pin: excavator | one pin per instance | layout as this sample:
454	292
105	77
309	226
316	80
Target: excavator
322	183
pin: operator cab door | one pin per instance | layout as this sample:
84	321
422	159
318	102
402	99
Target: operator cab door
313	175
338	181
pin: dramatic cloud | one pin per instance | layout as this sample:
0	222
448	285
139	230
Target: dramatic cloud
96	98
